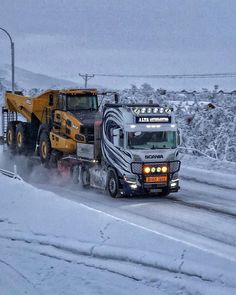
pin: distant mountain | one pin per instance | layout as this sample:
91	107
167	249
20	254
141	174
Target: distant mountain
27	79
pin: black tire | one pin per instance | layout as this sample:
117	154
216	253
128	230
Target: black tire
11	136
45	149
75	173
85	177
113	184
22	138
54	158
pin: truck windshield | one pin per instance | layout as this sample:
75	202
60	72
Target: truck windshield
81	102
152	140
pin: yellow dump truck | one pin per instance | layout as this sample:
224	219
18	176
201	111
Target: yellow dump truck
53	122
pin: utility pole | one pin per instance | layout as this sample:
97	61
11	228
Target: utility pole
86	77
12	60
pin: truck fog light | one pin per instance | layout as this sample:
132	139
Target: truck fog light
173	184
133	186
147	170
153	169
158	169
164	169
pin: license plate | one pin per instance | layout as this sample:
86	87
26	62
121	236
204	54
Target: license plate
162	178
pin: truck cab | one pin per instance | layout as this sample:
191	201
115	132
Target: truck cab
140	147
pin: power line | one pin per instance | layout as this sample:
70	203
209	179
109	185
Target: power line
86	77
168	76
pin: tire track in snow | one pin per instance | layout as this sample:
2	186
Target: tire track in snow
59	252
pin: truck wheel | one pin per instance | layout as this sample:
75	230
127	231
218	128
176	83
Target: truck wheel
75	174
113	184
85	177
11	136
22	138
45	148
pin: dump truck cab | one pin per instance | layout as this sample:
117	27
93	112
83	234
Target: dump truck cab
78	100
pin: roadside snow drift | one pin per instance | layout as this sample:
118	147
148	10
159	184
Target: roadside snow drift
73	232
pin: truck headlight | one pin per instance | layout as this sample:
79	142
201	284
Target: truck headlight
174	183
131	182
153	169
147	169
164	169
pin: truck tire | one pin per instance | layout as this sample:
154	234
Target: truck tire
75	173
22	138
85	177
113	184
11	136
45	149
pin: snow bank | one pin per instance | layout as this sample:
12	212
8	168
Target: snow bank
209	171
35	216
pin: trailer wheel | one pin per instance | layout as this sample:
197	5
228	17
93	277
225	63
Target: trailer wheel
113	184
45	148
85	177
75	174
22	138
11	136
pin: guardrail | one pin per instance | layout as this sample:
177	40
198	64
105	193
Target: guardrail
10	174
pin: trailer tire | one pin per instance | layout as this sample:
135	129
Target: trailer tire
45	149
85	177
22	138
11	136
113	184
75	173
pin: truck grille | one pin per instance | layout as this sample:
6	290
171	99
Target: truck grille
137	167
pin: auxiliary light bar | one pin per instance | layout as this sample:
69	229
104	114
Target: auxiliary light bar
151	110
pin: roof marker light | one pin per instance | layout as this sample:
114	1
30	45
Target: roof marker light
143	111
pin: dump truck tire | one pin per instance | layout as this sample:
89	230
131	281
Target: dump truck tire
11	136
45	149
22	138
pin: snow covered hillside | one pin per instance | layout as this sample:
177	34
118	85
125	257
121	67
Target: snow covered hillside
29	80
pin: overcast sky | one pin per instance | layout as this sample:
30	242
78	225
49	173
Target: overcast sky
65	37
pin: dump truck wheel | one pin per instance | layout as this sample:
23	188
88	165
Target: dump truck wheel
22	138
85	177
45	148
113	184
11	136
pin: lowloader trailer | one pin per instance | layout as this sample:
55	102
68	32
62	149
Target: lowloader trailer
129	149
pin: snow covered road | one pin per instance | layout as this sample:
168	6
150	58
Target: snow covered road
183	244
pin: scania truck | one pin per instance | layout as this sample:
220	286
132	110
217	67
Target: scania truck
127	149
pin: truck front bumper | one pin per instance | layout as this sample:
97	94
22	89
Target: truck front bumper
133	189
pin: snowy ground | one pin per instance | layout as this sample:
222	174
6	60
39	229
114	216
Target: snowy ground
56	238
